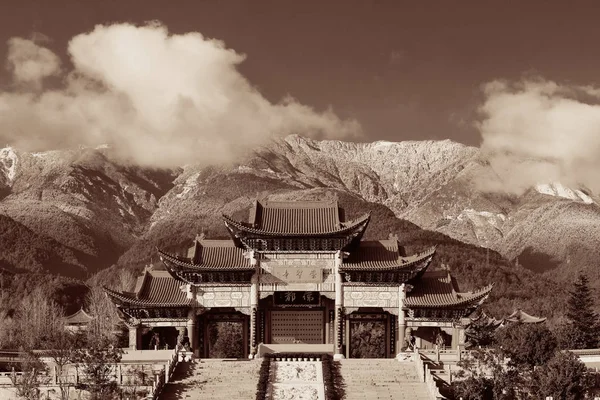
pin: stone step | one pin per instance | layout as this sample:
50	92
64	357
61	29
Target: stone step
214	379
382	380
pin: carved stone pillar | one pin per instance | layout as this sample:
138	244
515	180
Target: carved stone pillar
191	330
254	288
401	318
339	308
134	337
455	334
461	333
181	333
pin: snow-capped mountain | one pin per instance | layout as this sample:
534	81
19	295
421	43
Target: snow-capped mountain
100	210
558	190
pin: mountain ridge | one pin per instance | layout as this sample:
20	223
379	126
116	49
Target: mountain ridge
98	213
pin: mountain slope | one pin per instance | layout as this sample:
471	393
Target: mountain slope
81	201
444	186
86	213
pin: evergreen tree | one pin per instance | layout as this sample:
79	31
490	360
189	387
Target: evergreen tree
563	377
97	361
583	321
526	345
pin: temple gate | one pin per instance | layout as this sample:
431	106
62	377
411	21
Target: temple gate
297	275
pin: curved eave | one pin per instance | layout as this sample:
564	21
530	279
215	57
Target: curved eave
416	264
122	300
466	301
79	317
175	265
238	229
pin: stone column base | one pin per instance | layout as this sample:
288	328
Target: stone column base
338	357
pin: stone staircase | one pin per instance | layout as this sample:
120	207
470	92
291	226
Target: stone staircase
213	379
382	379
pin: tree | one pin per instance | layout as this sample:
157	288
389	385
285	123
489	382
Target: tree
481	332
507	369
474	388
104	312
62	350
581	331
31	376
563	377
484	376
527	345
37	319
97	362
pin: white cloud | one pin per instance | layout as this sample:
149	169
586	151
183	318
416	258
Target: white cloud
158	99
540	131
30	63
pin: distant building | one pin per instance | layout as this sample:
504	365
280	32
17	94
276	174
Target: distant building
521	317
295	275
77	321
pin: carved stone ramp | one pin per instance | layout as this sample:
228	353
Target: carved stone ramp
296	380
382	379
213	379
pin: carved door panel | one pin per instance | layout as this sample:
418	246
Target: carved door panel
368	338
296	326
225	336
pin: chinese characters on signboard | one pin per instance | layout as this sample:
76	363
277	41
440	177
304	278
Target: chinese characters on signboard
298	274
296	298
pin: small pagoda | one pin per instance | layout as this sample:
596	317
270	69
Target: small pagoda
77	321
297	276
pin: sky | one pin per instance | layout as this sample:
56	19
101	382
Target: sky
357	70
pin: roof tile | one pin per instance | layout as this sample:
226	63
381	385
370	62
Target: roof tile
379	255
159	289
435	289
211	255
80	317
298	217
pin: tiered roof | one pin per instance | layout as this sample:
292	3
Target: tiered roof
294	217
209	256
78	318
437	289
483	325
384	255
380	261
153	289
283	220
485	321
216	261
520	316
314	226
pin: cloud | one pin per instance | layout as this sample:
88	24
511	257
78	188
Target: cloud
157	99
30	63
538	131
